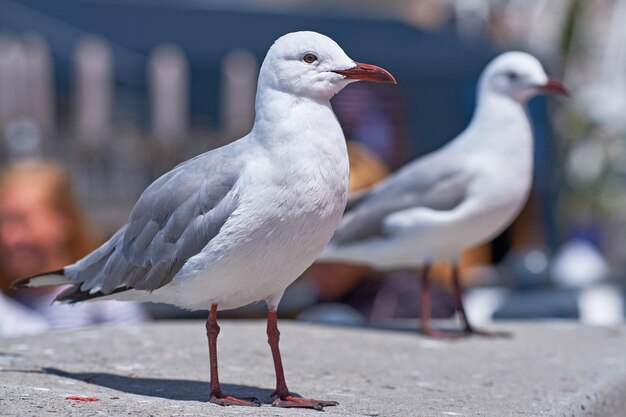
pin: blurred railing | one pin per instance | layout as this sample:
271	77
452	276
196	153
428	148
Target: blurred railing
112	161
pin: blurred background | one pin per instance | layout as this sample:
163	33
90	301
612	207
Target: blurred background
100	97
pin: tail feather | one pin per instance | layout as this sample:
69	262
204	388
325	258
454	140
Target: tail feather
71	295
47	279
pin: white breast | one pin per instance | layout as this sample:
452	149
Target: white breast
290	204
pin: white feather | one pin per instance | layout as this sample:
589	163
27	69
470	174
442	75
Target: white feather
47	280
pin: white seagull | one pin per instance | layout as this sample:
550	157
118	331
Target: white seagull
238	224
457	197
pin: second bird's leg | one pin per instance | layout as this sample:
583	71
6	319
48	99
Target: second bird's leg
217	396
458	299
460	308
425	302
283	398
426	309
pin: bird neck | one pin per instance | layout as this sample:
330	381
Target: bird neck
304	139
284	114
499	122
278	103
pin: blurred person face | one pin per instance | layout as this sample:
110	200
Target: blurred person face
33	234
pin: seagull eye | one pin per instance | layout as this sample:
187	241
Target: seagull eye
309	58
512	75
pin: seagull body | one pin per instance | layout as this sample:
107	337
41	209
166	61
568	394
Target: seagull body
459	196
274	199
456	197
240	223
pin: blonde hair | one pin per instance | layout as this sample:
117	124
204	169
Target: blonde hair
55	184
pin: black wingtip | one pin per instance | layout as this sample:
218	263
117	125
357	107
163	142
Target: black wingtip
23	282
75	295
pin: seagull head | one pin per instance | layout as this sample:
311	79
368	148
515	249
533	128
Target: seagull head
313	65
519	76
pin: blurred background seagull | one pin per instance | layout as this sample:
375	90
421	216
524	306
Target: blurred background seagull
238	224
459	196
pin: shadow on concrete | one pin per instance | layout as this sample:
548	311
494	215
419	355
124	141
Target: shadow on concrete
171	389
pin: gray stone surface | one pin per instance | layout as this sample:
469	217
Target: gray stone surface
161	369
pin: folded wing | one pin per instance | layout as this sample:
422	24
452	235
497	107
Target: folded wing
174	219
425	183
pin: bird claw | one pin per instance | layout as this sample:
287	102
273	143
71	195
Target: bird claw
226	400
438	334
290	401
455	335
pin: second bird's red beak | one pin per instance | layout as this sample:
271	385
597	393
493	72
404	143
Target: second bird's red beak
367	72
554	86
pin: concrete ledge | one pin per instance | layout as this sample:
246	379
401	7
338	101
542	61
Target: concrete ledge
161	369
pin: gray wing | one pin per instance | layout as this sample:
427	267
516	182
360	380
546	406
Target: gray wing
174	219
431	181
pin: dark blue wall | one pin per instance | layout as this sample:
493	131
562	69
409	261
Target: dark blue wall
436	71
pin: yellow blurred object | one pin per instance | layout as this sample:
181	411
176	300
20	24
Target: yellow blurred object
366	169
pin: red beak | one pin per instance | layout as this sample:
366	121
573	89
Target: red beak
368	72
554	86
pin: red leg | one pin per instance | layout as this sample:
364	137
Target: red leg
283	397
460	308
427	330
217	396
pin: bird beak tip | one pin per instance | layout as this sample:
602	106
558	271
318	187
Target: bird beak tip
368	72
555	87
